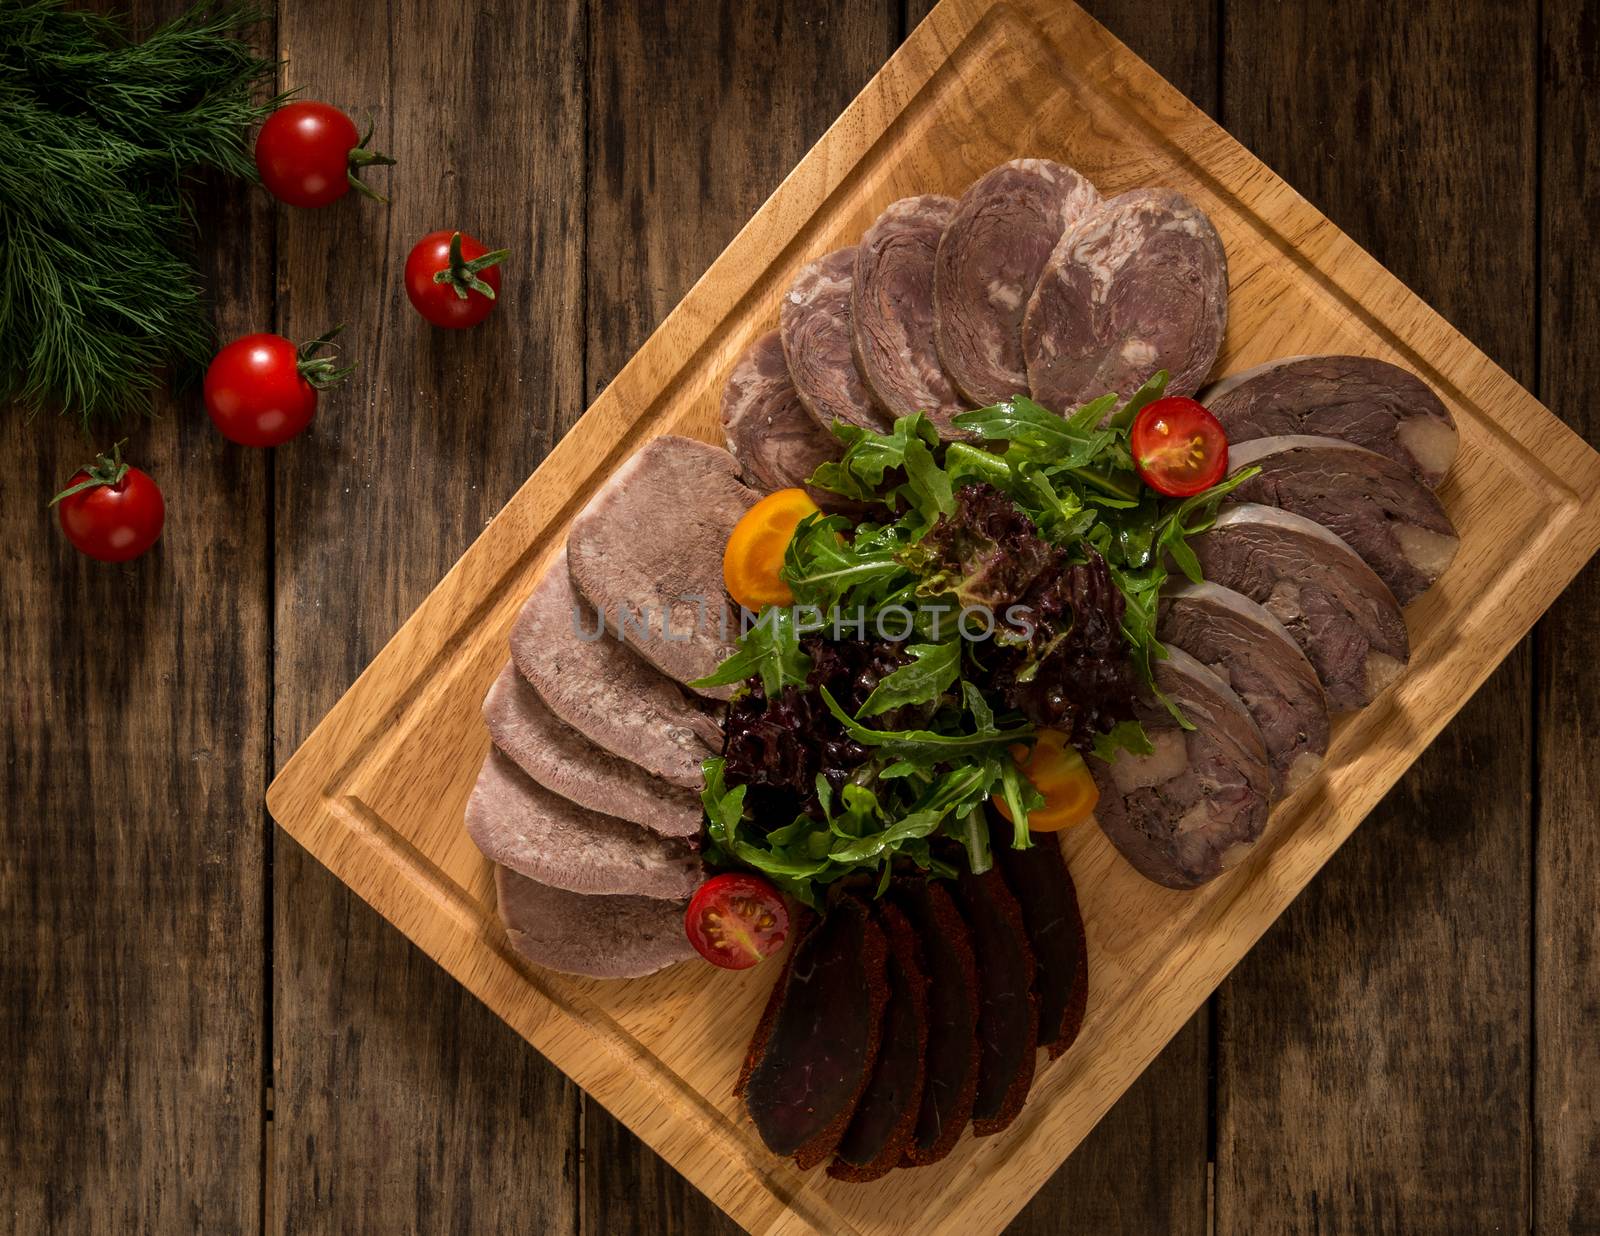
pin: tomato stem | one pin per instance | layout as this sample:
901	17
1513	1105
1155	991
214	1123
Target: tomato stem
322	371
106	470
361	157
462	275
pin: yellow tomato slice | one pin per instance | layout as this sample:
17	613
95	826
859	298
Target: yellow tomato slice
1058	772
754	555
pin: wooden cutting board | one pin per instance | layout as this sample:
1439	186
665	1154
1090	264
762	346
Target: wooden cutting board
377	792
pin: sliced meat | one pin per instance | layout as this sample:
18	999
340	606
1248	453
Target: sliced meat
518	823
565	762
814	322
1367	500
1357	398
892	311
603	690
886	1116
989	259
777	442
1039	880
647	553
1138	284
1008	1012
1191	810
951	967
600	937
821	1038
1251	651
1341	614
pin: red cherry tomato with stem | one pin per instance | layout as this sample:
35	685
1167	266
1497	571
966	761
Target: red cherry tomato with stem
111	511
736	919
452	279
309	154
1179	448
261	390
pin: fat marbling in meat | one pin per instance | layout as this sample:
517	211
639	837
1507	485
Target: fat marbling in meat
777	442
814	322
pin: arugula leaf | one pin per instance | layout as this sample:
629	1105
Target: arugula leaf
931	672
769	650
925	745
1126	736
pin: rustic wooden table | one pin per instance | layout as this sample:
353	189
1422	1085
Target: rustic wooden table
200	1027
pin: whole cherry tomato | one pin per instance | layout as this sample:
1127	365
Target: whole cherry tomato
735	919
111	511
309	154
452	279
261	390
1179	448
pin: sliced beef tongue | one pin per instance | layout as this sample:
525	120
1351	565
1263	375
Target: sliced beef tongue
518	823
892	311
777	442
595	936
989	259
1369	501
603	690
565	762
814	322
1250	650
1191	810
1358	398
1136	285
647	553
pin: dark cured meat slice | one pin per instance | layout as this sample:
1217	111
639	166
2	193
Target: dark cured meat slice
814	321
1008	1012
803	923
777	442
892	311
951	1076
1138	284
822	1040
1038	878
990	256
886	1116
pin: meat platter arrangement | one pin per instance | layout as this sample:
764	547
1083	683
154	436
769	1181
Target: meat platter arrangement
985	558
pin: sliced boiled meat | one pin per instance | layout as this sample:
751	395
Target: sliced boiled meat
1251	651
518	823
1136	285
603	690
1358	398
1342	615
814	322
892	311
564	761
596	936
647	553
1375	505
777	442
1191	810
989	259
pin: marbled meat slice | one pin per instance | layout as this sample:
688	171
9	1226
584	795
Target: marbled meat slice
647	553
603	690
777	442
1373	504
1358	398
1038	878
1137	285
886	1116
814	322
950	1078
595	936
989	259
564	761
518	823
892	311
1250	650
821	1041
1192	809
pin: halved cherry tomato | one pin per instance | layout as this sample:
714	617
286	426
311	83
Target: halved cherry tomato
1179	448
734	920
756	546
1059	773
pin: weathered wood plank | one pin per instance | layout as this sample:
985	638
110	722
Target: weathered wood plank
401	1103
1566	963
1373	1053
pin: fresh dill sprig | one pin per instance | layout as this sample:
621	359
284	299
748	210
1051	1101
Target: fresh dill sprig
102	137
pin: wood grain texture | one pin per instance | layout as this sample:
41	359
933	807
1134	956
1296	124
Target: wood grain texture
1398	1094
